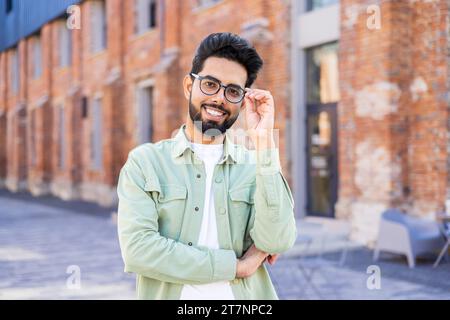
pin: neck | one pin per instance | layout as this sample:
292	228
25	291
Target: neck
196	136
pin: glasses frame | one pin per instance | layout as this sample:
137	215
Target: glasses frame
201	78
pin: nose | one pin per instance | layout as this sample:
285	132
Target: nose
219	97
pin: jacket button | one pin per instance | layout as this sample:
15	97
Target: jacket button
190	243
196	208
199	176
222	211
218	180
235	281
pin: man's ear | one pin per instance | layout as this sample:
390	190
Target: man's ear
187	86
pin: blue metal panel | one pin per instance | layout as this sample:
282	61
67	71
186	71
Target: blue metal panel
27	17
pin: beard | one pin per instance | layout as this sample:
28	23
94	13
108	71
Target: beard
210	127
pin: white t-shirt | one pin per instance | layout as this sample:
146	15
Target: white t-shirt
210	155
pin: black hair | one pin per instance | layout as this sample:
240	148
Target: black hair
232	47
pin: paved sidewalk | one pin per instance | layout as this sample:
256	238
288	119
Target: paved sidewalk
40	238
317	270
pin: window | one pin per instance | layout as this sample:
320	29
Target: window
15	76
322	74
9	6
61	137
37	57
317	4
144	114
145	15
65	44
96	134
98	26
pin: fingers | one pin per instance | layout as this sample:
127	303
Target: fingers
272	259
249	103
258	94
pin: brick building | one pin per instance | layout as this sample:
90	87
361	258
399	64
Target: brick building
360	88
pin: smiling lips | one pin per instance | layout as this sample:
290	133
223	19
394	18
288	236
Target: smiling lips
214	114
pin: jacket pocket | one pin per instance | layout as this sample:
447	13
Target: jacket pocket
170	201
170	192
242	195
241	202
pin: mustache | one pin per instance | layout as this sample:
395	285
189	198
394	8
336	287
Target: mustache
221	108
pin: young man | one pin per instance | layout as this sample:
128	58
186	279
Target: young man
199	215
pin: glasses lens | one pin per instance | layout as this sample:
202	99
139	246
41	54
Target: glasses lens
209	86
234	94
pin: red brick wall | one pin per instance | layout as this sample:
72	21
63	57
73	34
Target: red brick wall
428	170
392	115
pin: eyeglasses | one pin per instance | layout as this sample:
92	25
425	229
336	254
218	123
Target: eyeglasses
210	87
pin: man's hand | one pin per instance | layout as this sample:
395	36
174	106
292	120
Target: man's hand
250	262
260	117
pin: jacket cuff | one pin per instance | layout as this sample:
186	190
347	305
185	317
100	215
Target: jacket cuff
224	265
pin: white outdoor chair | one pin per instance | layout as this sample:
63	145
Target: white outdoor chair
410	236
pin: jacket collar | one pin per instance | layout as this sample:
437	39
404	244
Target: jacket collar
182	144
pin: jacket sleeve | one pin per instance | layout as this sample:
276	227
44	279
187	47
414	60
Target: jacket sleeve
147	253
274	230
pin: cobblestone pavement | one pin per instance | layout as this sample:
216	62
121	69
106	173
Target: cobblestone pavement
45	243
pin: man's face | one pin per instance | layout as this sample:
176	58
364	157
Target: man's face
203	108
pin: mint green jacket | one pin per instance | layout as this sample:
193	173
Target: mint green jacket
161	193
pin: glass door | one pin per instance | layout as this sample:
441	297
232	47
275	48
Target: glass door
322	159
322	88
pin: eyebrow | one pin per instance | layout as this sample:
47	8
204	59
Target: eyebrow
230	84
